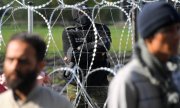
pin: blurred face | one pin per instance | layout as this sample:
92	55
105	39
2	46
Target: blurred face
20	65
166	42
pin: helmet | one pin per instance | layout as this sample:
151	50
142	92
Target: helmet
81	18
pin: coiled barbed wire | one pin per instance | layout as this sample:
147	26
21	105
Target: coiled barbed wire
100	4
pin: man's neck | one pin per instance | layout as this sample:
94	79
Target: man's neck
161	58
22	94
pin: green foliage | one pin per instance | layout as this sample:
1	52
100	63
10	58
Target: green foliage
107	15
56	46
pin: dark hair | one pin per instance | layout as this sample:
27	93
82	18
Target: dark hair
34	40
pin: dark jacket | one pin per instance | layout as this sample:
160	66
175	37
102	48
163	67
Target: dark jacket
144	82
84	38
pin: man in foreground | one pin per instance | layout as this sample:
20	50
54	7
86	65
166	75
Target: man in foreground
146	82
24	60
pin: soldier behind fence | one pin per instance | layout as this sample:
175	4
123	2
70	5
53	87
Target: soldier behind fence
81	38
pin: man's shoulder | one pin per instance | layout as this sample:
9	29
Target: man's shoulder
130	72
123	80
49	92
56	98
130	67
71	28
5	96
6	93
69	31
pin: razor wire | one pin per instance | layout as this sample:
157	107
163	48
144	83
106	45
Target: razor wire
120	56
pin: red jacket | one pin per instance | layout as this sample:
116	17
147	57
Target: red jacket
2	88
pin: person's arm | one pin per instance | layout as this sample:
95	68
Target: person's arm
65	41
122	94
68	44
103	44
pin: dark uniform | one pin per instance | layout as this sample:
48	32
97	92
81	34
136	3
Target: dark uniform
81	37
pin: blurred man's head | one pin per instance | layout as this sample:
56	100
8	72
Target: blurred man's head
24	59
159	26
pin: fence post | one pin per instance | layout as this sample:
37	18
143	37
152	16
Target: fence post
134	26
134	17
23	1
30	18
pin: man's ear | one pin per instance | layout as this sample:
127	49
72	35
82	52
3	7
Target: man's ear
41	65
